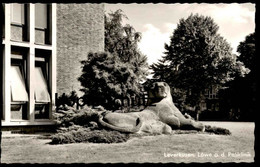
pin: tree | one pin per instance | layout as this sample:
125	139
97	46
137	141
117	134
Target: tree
247	52
122	41
159	70
105	78
241	94
119	71
199	58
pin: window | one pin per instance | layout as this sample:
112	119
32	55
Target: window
41	94
42	23
41	89
211	93
27	87
19	22
18	88
17	14
41	16
19	94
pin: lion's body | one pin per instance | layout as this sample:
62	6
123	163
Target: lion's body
160	116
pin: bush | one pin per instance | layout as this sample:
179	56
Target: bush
76	126
67	116
77	134
68	100
217	130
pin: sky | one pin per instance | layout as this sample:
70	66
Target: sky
157	22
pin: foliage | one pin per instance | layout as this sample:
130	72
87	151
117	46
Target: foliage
160	70
217	130
67	116
76	126
106	78
247	52
121	40
198	58
240	97
77	134
65	99
119	71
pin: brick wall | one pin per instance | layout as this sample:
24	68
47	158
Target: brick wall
80	29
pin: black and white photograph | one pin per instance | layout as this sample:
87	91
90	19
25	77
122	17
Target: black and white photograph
112	83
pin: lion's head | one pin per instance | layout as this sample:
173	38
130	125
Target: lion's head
158	91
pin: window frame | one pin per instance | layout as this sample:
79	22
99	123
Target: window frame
43	107
25	25
43	63
39	27
46	30
18	60
3	20
23	15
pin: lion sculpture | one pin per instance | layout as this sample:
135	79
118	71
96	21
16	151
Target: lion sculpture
160	116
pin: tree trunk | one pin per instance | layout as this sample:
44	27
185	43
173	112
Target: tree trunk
197	116
198	112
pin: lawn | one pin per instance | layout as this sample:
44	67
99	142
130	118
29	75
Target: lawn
238	147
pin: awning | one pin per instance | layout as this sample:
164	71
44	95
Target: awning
41	93
18	88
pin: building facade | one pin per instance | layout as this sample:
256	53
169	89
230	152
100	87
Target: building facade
42	46
80	30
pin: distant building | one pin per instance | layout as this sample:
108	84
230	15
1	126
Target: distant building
211	100
42	46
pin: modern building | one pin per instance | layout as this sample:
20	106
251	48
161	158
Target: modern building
42	46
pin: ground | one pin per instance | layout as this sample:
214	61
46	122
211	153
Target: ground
238	147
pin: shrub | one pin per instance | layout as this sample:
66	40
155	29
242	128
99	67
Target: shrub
68	100
76	126
77	134
217	130
67	116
